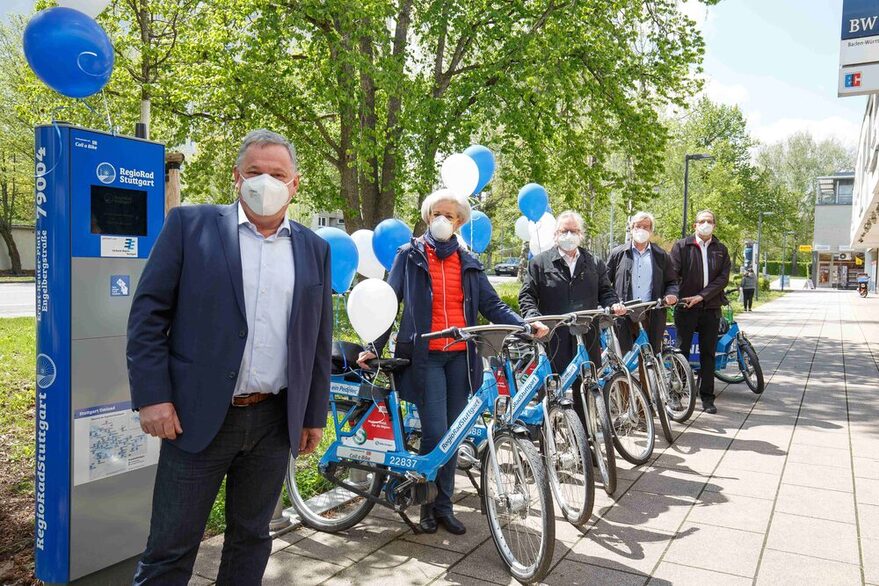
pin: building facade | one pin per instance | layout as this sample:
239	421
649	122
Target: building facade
836	263
864	222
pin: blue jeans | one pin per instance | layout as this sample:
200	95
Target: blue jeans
447	388
251	451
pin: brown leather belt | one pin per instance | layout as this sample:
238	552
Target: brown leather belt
251	399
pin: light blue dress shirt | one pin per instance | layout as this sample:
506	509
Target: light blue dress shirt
642	274
268	273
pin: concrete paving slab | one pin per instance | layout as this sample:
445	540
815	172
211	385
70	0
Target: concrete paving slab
621	546
868	516
732	511
285	568
778	568
817	476
400	562
681	575
867	490
816	502
743	482
347	547
657	511
820	456
729	551
819	538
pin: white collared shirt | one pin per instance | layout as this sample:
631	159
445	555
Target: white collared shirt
642	273
268	276
703	248
570	261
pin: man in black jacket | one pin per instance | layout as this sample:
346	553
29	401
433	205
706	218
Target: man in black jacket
702	265
639	270
566	278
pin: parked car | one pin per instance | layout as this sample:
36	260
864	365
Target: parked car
508	266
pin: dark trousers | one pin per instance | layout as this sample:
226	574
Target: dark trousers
447	389
251	451
748	295
562	347
707	323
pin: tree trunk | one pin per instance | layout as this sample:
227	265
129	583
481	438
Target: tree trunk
14	255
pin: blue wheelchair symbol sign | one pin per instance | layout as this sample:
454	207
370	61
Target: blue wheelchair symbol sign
120	285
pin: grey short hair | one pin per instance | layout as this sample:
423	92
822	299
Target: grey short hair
700	212
262	136
445	195
640	216
570	214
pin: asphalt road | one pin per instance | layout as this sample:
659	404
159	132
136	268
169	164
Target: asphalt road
17	299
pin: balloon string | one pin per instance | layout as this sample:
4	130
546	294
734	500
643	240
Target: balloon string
113	129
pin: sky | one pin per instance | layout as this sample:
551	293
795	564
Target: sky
776	59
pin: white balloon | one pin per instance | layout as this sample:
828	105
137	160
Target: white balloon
372	308
368	264
522	228
542	234
90	7
460	174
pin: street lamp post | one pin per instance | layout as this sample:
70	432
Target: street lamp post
687	159
784	255
759	250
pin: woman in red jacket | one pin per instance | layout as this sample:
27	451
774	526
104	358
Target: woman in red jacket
440	285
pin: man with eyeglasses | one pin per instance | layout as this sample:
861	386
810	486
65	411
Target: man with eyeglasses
567	278
702	265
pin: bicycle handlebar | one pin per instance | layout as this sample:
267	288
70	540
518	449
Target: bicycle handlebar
468	332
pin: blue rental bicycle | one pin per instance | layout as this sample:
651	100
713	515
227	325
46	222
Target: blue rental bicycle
735	358
371	461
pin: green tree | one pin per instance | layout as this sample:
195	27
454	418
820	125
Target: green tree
376	93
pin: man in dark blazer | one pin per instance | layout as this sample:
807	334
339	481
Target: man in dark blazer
640	270
567	278
229	350
701	264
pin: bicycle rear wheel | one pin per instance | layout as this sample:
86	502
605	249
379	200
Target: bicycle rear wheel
629	409
601	437
517	502
334	508
750	367
681	386
569	465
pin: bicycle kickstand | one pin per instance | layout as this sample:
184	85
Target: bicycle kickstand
415	527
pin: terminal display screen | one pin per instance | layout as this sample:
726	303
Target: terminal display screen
117	211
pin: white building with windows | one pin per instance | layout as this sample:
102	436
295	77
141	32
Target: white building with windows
836	263
864	219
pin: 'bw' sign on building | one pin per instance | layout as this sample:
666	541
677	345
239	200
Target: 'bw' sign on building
859	48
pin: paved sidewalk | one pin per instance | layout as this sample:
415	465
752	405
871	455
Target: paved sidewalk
778	489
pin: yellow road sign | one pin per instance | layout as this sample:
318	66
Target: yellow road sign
805	248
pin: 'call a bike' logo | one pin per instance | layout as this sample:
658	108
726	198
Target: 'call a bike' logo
46	371
106	173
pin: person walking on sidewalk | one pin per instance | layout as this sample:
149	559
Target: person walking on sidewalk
749	286
701	264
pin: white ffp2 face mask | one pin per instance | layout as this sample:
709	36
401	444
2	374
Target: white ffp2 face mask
704	229
568	241
264	194
441	228
640	235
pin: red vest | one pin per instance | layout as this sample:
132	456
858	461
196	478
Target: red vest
448	298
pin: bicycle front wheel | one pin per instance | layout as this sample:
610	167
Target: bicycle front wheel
601	436
749	365
333	508
681	386
517	502
629	409
731	374
569	464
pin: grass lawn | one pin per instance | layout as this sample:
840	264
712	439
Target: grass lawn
24	279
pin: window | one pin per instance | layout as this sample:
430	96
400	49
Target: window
844	191
321	221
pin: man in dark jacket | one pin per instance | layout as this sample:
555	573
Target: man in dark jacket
702	265
229	347
639	270
566	278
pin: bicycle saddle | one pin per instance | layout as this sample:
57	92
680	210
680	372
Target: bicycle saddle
388	365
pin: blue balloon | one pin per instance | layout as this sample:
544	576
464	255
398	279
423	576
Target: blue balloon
387	237
343	257
533	201
477	232
69	51
485	161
